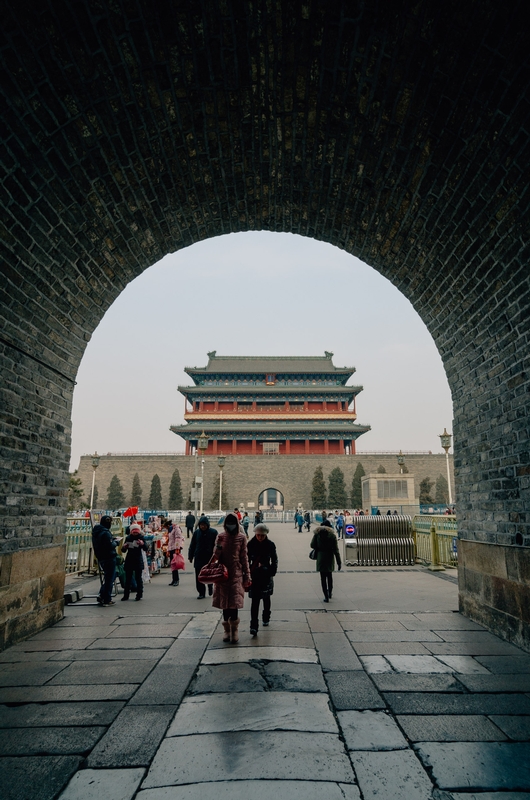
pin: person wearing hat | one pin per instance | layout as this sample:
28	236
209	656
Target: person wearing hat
134	545
104	546
263	561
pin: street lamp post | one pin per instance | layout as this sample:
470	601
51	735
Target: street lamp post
401	461
203	446
445	439
95	465
221	461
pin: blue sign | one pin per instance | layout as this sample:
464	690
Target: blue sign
349	531
455	548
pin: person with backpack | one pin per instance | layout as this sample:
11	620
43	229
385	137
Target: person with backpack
325	545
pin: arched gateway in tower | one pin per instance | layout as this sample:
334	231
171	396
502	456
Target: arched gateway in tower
271	405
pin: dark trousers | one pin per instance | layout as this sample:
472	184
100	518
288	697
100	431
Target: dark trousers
326	579
254	608
135	570
188	531
201	587
229	613
108	568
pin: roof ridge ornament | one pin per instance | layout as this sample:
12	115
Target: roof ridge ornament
212	354
328	354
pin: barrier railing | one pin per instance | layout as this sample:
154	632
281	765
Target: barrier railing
436	540
79	554
380	541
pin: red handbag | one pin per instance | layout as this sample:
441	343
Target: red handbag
213	572
177	562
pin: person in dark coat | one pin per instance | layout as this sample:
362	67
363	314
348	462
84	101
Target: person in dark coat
263	561
104	546
200	552
231	548
325	543
134	545
307	520
190	523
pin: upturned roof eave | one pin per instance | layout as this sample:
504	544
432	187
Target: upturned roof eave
270	389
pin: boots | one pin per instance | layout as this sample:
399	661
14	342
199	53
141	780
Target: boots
226	626
234	633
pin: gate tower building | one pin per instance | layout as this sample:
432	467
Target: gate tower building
268	405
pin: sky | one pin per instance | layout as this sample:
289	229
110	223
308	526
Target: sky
257	293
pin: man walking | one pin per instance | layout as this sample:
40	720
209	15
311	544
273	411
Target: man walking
190	524
105	551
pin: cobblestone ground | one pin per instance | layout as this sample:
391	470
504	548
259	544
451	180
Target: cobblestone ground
386	692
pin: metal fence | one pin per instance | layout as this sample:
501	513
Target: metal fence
79	554
380	541
436	539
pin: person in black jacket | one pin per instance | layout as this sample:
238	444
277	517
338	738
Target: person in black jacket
134	545
190	522
263	561
200	552
105	551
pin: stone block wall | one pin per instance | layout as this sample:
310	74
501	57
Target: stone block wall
245	477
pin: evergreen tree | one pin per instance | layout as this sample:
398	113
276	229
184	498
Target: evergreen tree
155	495
425	492
442	490
318	491
215	497
381	470
75	492
95	498
175	491
356	490
136	492
337	497
115	496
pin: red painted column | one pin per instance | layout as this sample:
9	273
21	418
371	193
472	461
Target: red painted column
306	405
325	405
341	446
254	447
214	447
234	405
353	447
216	405
187	448
307	447
326	447
200	405
287	447
234	447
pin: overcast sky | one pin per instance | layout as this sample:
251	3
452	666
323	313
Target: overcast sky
257	294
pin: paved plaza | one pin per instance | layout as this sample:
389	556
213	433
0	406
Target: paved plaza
385	692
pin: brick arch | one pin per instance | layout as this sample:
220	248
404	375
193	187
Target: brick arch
274	489
396	131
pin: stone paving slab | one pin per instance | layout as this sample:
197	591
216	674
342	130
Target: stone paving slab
481	796
230	678
50	694
396	775
510	665
265	638
496	683
404	682
335	652
373	625
201	627
441	622
185	651
371	730
353	690
84	672
426	665
42	646
266	711
72	620
429	703
516	728
64	714
496	648
131	644
374	665
323	623
474	766
108	655
254	790
390	648
393	636
67	634
152	619
11	656
234	655
170	630
233	756
283	677
450	728
464	665
34	777
95	784
33	674
290	626
49	741
166	683
133	737
480	636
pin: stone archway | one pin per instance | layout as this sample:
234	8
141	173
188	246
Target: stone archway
396	132
271	499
